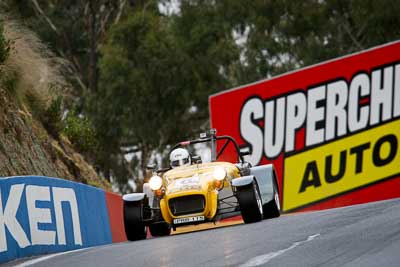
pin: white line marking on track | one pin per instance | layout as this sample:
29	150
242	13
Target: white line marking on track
34	261
262	259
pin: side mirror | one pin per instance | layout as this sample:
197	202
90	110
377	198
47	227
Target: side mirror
151	167
196	159
244	153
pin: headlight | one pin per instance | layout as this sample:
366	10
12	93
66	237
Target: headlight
155	182
219	174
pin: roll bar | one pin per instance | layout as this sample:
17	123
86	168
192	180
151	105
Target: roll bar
212	137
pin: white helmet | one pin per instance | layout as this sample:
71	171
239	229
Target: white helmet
179	157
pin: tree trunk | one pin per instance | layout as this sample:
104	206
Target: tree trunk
143	162
107	175
93	56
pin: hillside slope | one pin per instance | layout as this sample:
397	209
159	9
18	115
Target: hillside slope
26	147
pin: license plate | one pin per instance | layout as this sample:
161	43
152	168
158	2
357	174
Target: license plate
189	219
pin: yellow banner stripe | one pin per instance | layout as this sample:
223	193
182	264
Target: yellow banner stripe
342	165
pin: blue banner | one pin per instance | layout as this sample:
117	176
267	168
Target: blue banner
40	215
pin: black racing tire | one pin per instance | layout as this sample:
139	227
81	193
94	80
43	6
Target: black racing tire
249	199
135	229
271	209
160	229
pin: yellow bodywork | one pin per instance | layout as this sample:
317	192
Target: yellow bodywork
195	179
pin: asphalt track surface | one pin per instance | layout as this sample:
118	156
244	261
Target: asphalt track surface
362	235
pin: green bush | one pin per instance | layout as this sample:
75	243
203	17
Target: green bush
80	132
8	81
5	45
49	114
52	117
8	77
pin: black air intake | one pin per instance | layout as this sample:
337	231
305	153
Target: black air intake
187	205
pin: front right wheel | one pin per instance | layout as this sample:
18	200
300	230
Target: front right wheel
135	228
250	204
160	229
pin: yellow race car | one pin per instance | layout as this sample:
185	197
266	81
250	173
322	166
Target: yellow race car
193	192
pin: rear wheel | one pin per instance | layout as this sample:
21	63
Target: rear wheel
272	208
250	203
133	220
160	229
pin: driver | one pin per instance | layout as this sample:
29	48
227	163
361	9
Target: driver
179	157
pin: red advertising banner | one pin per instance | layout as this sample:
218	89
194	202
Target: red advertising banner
332	130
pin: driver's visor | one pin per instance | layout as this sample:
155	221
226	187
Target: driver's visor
179	162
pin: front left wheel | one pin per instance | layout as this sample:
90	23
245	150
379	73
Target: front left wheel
272	208
135	228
